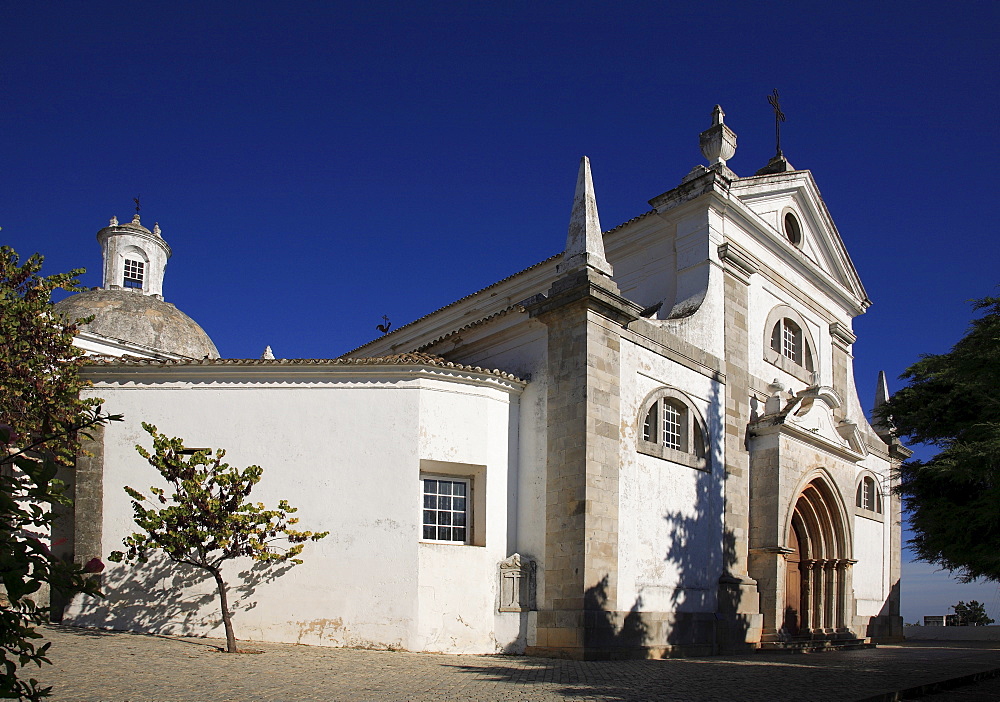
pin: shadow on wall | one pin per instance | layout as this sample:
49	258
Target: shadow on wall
888	625
606	635
703	616
164	597
707	597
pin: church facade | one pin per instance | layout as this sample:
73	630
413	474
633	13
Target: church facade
650	444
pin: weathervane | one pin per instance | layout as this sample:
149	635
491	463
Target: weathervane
779	117
136	201
384	328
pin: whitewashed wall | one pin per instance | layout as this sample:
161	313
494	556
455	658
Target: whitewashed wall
346	450
870	571
670	515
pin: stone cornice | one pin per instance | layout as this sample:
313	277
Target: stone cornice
737	262
842	335
654	338
589	287
712	181
765	427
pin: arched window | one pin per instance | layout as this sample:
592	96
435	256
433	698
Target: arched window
672	430
788	343
868	497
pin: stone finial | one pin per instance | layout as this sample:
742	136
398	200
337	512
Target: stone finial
883	426
156	229
135	219
776	400
113	222
584	240
268	355
881	390
718	142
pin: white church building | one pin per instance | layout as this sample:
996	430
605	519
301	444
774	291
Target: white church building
650	444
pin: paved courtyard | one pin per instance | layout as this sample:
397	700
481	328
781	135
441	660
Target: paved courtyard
114	666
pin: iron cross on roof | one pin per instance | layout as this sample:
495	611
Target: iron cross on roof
779	117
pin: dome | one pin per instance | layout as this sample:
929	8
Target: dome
141	319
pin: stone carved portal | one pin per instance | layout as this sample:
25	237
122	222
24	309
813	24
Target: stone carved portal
817	583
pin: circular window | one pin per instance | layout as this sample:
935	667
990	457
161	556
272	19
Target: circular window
792	229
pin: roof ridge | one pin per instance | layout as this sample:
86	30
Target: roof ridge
400	359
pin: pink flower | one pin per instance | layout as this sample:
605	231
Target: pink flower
94	565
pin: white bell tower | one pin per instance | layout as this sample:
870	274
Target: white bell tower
134	257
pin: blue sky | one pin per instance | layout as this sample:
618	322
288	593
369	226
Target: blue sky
317	165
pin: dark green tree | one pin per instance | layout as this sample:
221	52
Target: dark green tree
971	614
41	417
952	402
209	519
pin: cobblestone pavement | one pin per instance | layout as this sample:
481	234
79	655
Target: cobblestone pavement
114	666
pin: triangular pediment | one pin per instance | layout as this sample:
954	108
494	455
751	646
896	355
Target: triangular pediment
820	248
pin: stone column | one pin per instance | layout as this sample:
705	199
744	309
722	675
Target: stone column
819	595
843	593
843	360
78	533
805	601
738	592
583	313
830	601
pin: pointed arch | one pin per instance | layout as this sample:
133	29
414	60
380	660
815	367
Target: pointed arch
818	538
836	507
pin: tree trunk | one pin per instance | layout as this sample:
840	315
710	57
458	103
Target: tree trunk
227	620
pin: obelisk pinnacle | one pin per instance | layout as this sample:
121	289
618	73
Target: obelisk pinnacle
584	240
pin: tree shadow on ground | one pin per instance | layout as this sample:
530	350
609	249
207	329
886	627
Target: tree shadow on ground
87	632
745	677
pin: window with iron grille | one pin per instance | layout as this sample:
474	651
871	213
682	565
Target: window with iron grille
672	430
673	425
787	339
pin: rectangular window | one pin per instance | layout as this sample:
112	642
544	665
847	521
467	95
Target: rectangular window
446	510
788	348
133	273
672	426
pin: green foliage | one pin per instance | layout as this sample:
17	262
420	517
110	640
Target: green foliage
971	614
41	414
39	366
953	402
28	492
205	518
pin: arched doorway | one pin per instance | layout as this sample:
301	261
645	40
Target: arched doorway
816	582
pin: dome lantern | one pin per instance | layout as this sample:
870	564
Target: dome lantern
134	257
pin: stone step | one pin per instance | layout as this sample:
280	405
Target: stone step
814	645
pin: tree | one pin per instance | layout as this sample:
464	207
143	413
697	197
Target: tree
41	415
209	520
952	402
971	614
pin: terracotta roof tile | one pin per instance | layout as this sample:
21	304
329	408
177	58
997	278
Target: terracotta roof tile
399	359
